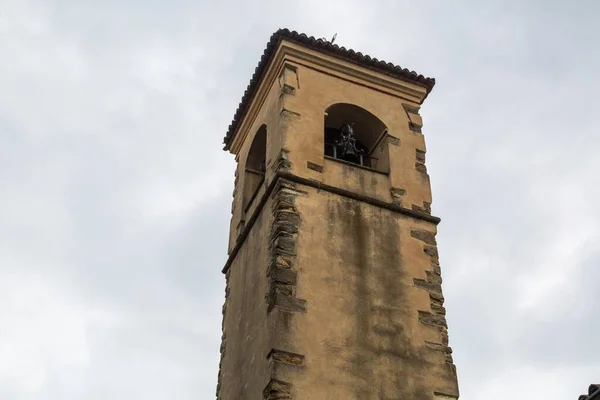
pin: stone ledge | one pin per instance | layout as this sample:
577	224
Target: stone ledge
416	214
362	198
277	390
287	302
424	236
428	318
414	127
445	349
285	357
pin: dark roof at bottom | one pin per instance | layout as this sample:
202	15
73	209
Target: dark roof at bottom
325	47
593	393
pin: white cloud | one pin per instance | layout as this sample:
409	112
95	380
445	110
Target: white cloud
528	381
43	327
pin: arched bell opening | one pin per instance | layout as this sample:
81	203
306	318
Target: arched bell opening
354	135
255	167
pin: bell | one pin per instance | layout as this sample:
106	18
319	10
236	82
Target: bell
347	144
348	150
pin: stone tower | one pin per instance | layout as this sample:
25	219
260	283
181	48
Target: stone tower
333	278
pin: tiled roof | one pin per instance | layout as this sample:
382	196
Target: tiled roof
328	48
593	393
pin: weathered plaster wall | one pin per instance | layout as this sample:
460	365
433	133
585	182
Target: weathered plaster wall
304	138
243	368
269	114
261	302
333	291
369	331
332	297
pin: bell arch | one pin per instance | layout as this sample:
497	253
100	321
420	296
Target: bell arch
255	166
355	135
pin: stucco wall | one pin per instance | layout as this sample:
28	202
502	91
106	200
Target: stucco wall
361	335
304	138
345	293
333	281
268	114
246	336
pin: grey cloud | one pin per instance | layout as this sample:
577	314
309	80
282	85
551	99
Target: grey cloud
115	185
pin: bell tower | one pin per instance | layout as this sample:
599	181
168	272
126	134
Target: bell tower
333	281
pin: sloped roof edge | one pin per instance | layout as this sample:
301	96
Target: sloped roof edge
328	48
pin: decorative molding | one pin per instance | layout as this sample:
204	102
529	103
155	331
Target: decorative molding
358	74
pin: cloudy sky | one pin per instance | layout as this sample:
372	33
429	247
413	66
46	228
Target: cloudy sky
115	193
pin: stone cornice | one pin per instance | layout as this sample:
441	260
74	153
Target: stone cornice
354	73
321	186
345	63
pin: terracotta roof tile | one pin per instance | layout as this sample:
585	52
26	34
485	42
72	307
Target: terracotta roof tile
326	47
593	393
